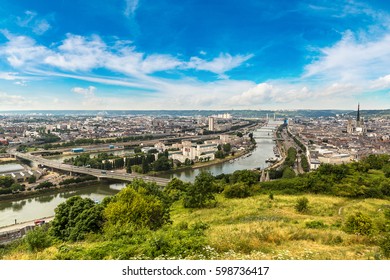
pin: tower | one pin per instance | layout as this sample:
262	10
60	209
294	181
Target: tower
358	116
211	124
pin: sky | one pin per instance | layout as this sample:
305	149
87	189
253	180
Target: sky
194	54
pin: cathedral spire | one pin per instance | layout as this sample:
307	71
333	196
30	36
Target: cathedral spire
358	113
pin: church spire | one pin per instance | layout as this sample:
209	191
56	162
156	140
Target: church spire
358	114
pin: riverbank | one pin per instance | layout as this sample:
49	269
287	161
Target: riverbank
19	226
35	193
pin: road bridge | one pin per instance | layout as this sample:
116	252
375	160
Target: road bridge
91	171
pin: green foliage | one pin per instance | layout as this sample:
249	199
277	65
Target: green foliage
246	176
227	147
32	179
302	205
315	224
305	163
6	181
137	206
384	245
199	194
17	187
44	185
237	190
239	134
162	164
288	172
219	154
291	157
386	170
175	189
77	180
359	223
38	239
76	217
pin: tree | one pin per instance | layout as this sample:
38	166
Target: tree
32	179
199	194
227	147
6	181
137	208
75	217
239	134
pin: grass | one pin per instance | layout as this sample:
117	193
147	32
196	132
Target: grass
252	228
260	228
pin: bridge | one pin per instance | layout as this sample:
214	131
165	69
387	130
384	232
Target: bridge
91	171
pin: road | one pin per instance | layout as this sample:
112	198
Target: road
90	171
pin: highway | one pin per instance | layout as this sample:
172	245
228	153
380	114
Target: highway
90	171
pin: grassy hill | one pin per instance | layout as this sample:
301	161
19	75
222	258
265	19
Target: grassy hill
250	228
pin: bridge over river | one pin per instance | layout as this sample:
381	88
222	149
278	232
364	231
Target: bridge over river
90	171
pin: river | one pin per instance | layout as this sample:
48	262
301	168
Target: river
43	206
256	159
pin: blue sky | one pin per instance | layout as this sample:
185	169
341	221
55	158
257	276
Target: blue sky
194	54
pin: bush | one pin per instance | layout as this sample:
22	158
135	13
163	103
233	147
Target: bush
384	244
137	208
315	224
302	205
359	223
37	239
238	190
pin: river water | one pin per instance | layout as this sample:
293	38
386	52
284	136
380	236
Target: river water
43	206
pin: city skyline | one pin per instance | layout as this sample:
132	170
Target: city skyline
173	55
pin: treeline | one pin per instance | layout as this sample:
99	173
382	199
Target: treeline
368	178
140	163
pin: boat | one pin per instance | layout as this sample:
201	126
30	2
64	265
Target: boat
271	160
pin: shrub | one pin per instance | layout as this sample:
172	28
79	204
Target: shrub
37	239
315	224
302	205
359	223
238	190
136	208
384	244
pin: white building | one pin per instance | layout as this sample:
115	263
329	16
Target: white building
211	123
195	151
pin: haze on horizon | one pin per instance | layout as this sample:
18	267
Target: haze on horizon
183	55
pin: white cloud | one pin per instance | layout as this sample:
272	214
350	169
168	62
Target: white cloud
352	59
381	83
131	7
9	76
219	65
22	50
41	26
38	25
78	53
12	101
86	92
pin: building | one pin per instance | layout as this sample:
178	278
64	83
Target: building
195	152
211	124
